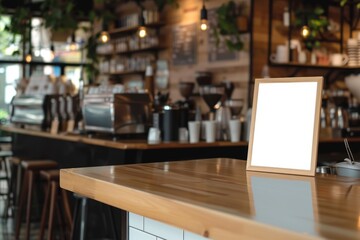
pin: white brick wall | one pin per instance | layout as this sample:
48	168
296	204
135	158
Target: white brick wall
142	228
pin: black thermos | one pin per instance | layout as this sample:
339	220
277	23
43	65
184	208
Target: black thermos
171	124
184	117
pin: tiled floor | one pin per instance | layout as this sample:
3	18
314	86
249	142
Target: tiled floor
7	231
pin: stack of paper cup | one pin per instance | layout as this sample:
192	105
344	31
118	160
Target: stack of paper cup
210	131
194	131
235	130
353	52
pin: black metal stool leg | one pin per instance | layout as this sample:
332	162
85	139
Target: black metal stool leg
83	216
75	218
112	222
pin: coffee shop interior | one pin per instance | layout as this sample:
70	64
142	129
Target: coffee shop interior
162	85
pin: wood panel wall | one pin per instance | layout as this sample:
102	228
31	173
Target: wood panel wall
279	36
188	12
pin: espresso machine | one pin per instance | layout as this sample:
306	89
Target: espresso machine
31	110
117	113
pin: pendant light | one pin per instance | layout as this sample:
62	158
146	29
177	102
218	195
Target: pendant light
52	50
203	18
104	35
142	32
305	31
73	45
28	56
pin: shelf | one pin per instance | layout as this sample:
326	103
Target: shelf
149	49
244	32
298	65
140	50
126	73
126	30
35	63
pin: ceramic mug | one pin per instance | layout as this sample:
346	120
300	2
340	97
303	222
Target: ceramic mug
302	57
339	59
281	55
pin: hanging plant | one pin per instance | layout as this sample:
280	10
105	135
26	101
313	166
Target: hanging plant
59	15
315	21
18	26
344	2
226	27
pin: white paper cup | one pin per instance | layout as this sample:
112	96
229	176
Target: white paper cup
210	131
154	136
183	134
235	130
194	131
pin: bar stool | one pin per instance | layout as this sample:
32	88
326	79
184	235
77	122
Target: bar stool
31	170
80	217
52	195
14	185
4	155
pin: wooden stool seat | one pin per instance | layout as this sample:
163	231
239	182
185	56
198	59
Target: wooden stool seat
38	164
32	169
50	175
15	160
54	198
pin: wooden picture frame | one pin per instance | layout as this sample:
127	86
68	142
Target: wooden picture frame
284	128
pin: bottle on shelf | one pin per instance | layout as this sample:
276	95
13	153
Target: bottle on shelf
286	17
149	80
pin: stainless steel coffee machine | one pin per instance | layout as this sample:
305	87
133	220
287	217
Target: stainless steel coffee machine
119	113
31	110
38	111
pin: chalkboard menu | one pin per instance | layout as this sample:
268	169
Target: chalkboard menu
184	45
218	52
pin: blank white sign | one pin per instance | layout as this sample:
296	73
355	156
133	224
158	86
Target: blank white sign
285	127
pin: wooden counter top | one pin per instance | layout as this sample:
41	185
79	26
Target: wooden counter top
118	144
217	198
138	144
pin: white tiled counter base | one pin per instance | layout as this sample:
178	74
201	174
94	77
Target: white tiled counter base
142	228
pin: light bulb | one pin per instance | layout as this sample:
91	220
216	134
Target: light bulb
203	18
305	31
28	58
142	32
203	25
73	46
52	51
52	55
104	37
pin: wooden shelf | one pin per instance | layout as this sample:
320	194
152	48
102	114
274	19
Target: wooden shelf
129	52
126	30
126	73
299	65
35	63
140	50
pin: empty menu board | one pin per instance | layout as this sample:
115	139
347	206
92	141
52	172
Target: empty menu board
184	44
